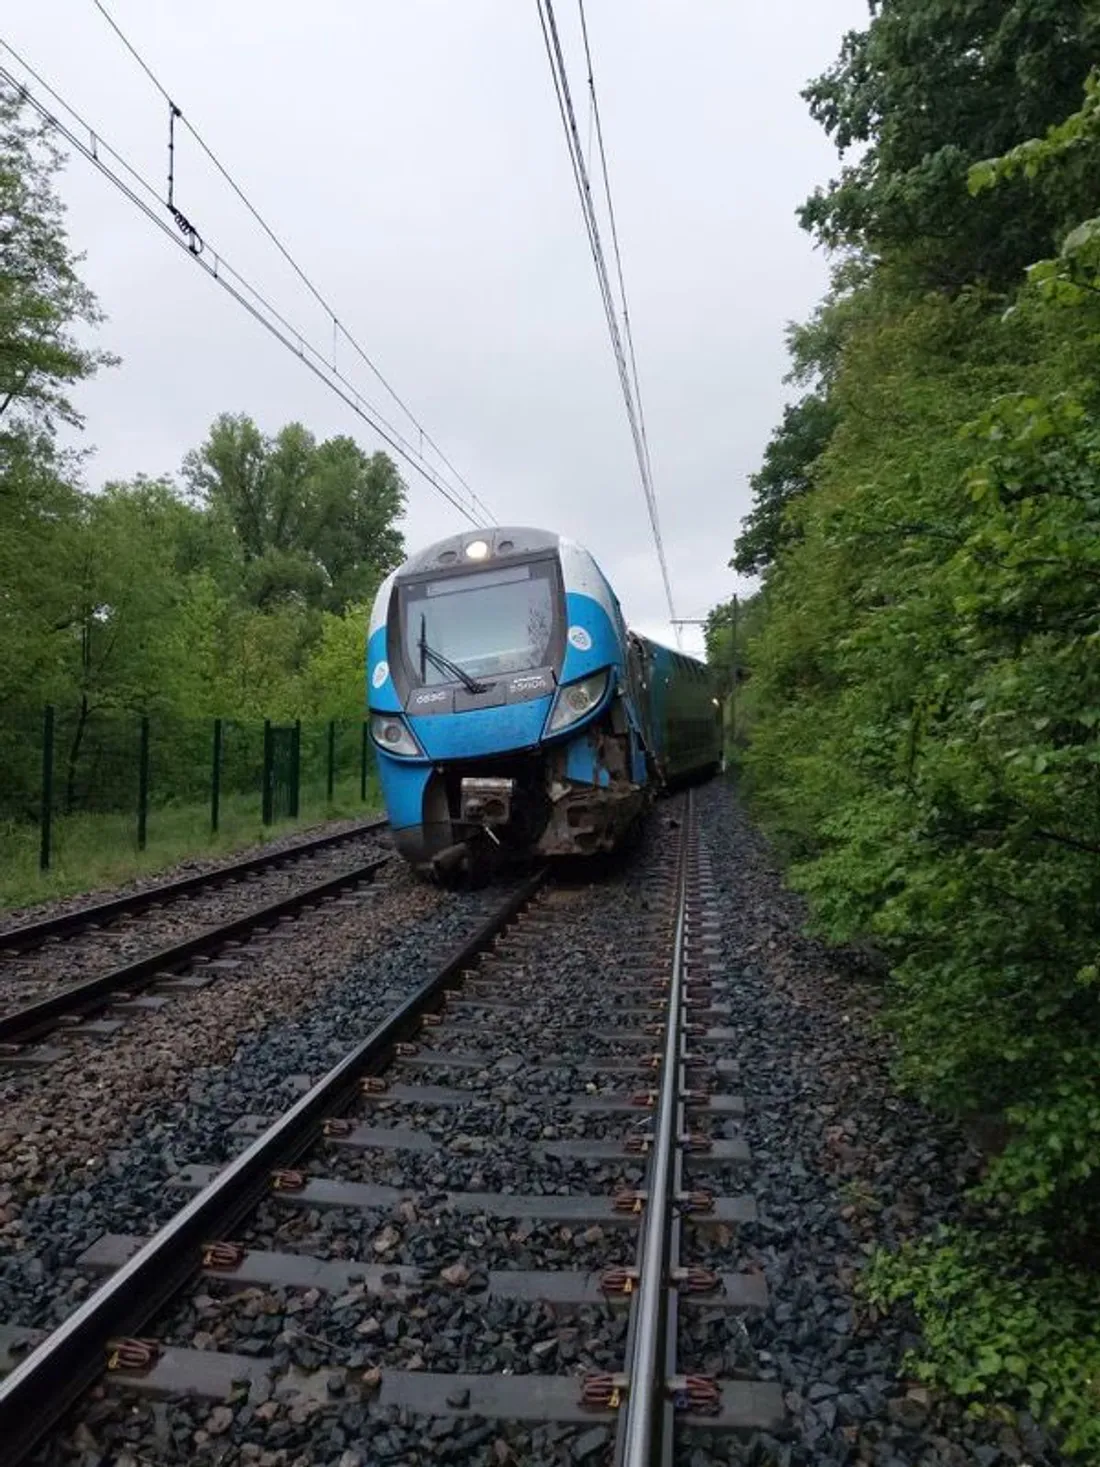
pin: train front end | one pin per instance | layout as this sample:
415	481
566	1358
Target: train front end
499	687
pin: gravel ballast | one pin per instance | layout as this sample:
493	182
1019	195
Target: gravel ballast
840	1162
104	1128
26	978
447	1323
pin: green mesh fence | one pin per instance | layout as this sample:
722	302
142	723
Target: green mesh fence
73	779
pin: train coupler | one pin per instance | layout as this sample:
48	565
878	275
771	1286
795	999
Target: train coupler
486	801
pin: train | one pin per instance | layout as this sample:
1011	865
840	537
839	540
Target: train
514	714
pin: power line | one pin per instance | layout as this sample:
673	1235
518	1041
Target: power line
628	376
338	326
595	106
145	197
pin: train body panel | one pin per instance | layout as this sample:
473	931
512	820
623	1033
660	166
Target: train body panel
682	713
510	706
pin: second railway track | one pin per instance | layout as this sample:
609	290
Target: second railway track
63	986
23	937
508	1205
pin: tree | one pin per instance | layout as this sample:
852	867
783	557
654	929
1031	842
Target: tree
356	500
925	691
316	523
42	302
929	88
41	295
39	513
786	474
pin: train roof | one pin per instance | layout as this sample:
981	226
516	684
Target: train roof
661	650
502	542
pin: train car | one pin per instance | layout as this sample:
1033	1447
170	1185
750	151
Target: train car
682	714
513	712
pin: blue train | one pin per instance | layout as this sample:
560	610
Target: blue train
512	710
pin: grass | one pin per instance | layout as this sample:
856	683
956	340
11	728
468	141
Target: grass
95	851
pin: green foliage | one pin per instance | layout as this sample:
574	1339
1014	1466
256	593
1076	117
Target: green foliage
786	474
41	296
95	849
309	523
924	703
1001	1325
245	597
931	87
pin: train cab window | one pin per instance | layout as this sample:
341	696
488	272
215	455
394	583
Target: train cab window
487	622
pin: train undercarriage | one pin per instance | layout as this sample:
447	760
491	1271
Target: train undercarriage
571	799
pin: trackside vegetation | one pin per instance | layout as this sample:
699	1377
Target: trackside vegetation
239	590
923	709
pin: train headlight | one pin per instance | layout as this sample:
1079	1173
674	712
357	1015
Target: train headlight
574	700
394	735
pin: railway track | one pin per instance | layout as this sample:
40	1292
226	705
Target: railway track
120	991
30	935
631	1092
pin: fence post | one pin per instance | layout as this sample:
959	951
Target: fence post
296	768
216	777
143	782
331	758
267	783
46	815
363	766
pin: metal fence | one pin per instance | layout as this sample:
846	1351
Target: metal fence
116	776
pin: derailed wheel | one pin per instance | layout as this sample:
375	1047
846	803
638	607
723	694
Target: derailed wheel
465	866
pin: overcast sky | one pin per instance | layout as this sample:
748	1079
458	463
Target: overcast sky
410	154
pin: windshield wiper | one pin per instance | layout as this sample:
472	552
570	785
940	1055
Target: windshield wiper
444	664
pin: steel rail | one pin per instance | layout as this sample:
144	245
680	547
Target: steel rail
33	934
20	1025
646	1365
42	1387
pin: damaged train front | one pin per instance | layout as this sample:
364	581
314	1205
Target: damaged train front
503	700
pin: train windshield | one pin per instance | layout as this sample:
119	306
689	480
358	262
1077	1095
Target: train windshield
483	622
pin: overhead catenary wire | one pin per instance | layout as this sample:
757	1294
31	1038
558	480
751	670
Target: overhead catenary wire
594	105
91	144
338	326
627	371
